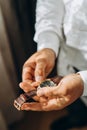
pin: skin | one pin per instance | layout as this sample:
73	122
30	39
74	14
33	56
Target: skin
35	70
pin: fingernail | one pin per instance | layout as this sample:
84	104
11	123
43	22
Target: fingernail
24	107
44	104
20	85
38	78
25	70
40	93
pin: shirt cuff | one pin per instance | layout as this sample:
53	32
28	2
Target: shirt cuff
84	78
48	40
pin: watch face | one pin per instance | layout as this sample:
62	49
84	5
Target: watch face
47	83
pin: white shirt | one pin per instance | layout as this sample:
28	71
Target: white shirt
63	24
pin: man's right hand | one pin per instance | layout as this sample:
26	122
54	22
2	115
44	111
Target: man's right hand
37	68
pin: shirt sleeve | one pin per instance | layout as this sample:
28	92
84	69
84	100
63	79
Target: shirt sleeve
84	78
48	26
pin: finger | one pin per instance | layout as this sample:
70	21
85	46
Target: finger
47	91
58	90
56	104
40	99
28	73
36	98
26	86
56	79
52	104
43	99
40	70
34	106
35	84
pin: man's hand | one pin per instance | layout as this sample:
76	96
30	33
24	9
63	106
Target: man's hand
37	68
66	92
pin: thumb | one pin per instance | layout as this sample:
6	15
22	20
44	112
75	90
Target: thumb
40	71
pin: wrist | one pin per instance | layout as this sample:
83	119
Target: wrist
49	52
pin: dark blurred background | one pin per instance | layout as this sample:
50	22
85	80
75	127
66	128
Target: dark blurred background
17	19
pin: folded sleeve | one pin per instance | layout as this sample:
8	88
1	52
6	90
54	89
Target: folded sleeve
84	78
48	25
